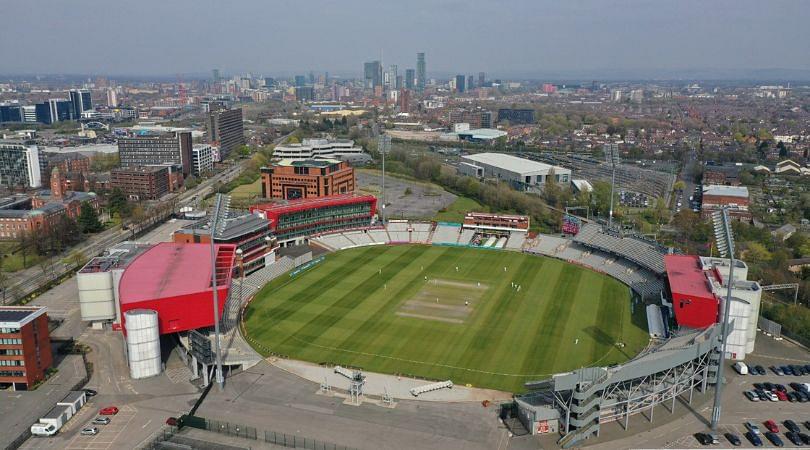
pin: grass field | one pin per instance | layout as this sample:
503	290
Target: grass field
458	209
373	308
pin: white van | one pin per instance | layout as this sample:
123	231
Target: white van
43	429
741	368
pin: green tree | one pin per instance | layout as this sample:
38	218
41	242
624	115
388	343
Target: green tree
88	219
118	203
757	252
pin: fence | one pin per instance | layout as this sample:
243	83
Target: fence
770	327
272	437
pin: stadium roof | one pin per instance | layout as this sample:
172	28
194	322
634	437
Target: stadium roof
686	276
511	163
482	133
726	191
167	270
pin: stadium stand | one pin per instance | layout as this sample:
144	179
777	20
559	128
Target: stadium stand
642	252
446	233
516	240
465	237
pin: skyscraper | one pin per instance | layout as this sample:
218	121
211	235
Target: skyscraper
81	101
391	77
112	98
410	78
470	82
482	79
421	72
372	74
460	80
215	73
300	80
225	129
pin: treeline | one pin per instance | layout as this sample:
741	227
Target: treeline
795	319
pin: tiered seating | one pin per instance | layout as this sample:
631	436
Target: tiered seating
359	237
252	284
421	232
516	240
466	236
547	245
446	233
379	236
643	253
335	241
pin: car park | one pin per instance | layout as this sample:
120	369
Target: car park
775	439
753	439
733	439
89	431
771	426
101	421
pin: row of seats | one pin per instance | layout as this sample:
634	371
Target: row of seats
642	253
252	284
446	234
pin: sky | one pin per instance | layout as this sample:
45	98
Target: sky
285	37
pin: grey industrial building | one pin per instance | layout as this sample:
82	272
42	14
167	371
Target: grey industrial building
517	171
225	130
170	148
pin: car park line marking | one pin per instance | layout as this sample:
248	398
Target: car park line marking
146	424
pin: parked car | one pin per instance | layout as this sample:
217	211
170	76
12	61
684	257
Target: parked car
759	386
101	421
760	370
807	424
777	370
780	387
771	426
89	431
771	396
805	438
108	411
171	421
733	439
792	426
793	437
768	386
752	427
90	393
703	438
775	439
786	370
741	368
752	396
792	397
781	396
754	439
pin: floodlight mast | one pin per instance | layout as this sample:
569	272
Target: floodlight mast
218	206
725	245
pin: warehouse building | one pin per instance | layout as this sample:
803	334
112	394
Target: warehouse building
734	198
520	172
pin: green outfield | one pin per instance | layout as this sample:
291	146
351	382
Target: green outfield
448	313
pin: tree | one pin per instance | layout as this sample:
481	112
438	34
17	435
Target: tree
118	203
88	219
757	252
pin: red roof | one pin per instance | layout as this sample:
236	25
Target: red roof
169	270
686	276
305	204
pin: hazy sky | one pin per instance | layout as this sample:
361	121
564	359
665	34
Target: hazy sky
146	37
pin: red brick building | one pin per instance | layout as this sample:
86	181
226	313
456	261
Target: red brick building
312	178
735	198
25	346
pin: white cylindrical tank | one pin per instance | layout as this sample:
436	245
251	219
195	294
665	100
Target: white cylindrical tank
143	343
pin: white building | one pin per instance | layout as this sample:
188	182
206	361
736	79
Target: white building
19	164
512	169
202	159
318	149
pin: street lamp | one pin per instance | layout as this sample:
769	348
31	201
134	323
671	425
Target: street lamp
725	246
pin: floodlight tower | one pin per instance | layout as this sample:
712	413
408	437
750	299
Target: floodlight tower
725	246
384	146
612	157
221	205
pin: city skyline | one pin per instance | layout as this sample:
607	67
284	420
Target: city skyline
542	39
